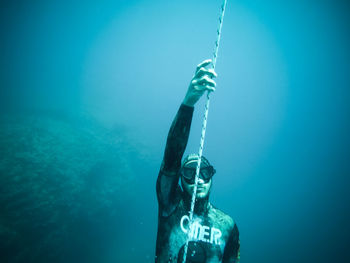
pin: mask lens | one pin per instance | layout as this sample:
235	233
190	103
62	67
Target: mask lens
205	173
189	174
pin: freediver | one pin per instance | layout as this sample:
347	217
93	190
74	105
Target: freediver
214	236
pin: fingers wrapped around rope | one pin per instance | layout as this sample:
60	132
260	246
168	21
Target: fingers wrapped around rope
203	64
203	83
203	71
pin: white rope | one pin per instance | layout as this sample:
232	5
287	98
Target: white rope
204	126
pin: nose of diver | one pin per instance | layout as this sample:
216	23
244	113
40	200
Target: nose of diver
200	181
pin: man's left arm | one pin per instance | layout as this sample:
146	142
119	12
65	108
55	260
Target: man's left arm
232	248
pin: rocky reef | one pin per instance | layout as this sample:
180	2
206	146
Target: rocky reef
63	182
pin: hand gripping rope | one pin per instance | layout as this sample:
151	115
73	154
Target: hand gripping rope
204	126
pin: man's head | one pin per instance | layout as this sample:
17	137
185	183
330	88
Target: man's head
188	172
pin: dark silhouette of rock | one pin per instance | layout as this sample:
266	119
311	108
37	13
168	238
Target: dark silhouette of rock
63	183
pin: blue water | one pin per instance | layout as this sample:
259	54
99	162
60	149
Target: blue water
277	130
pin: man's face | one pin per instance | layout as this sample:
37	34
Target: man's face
203	187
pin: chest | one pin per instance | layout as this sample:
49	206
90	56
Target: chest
207	238
202	229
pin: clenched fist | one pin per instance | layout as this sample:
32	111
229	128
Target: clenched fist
201	82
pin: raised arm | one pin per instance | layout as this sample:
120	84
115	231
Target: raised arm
167	182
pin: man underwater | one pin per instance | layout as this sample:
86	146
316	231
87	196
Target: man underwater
214	236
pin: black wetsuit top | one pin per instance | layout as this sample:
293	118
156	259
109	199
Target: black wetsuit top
215	236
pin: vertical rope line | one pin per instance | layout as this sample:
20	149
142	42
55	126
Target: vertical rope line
204	126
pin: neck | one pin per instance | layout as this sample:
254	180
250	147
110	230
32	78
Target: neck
201	205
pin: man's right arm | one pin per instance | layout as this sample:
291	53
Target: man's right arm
168	178
175	147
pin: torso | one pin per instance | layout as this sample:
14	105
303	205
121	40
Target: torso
207	240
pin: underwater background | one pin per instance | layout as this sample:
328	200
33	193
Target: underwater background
89	90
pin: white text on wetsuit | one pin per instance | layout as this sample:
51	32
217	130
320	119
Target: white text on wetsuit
201	232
